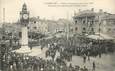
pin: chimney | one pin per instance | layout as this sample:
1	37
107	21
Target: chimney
79	10
92	9
38	17
100	10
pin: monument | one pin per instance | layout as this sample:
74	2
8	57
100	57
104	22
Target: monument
25	49
24	20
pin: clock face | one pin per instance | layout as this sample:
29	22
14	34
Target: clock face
25	16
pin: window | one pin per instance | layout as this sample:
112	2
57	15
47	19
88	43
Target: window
34	22
92	29
109	29
99	29
83	21
35	27
20	34
76	28
92	22
28	27
84	29
76	22
72	30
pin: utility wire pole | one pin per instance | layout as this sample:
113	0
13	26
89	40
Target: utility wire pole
3	20
67	30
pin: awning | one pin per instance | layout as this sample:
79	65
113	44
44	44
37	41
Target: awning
50	37
96	37
100	36
105	36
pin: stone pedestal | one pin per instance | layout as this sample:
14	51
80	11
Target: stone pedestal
24	39
24	42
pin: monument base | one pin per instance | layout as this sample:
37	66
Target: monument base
24	50
24	41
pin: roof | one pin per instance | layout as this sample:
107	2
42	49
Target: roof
108	17
105	36
86	13
100	36
33	19
97	37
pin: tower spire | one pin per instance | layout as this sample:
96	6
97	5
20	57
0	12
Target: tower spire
24	7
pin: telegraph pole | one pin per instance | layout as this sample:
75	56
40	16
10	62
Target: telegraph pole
67	31
67	28
3	20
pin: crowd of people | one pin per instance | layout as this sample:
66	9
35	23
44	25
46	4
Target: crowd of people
85	50
20	62
65	55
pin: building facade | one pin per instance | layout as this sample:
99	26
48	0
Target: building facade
37	25
108	25
47	26
91	22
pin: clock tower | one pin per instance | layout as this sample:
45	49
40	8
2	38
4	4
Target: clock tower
24	15
24	21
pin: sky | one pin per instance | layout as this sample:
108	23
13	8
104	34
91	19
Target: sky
40	8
